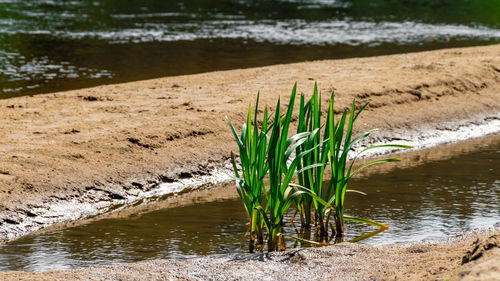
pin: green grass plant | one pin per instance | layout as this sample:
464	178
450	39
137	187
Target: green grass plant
312	179
252	145
334	150
282	169
268	151
340	144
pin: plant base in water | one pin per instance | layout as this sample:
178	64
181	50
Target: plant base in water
267	151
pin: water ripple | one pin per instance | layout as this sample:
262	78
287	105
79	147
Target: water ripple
279	32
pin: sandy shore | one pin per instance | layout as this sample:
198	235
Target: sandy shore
471	257
75	154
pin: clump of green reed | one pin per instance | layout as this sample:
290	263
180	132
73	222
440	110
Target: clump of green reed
252	144
338	143
268	152
312	179
262	155
281	190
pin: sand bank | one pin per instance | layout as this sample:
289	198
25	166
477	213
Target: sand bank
76	154
68	155
71	155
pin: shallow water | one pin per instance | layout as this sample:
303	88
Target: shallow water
429	202
49	45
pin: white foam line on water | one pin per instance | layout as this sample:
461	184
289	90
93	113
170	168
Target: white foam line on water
293	31
79	209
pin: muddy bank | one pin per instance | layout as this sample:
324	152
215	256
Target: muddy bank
75	154
471	257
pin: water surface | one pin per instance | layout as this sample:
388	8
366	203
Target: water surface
438	200
50	45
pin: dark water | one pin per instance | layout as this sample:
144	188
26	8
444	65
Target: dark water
434	201
49	45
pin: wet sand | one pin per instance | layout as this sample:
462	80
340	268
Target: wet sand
70	155
471	257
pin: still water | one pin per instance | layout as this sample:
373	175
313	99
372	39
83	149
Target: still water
50	45
429	202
